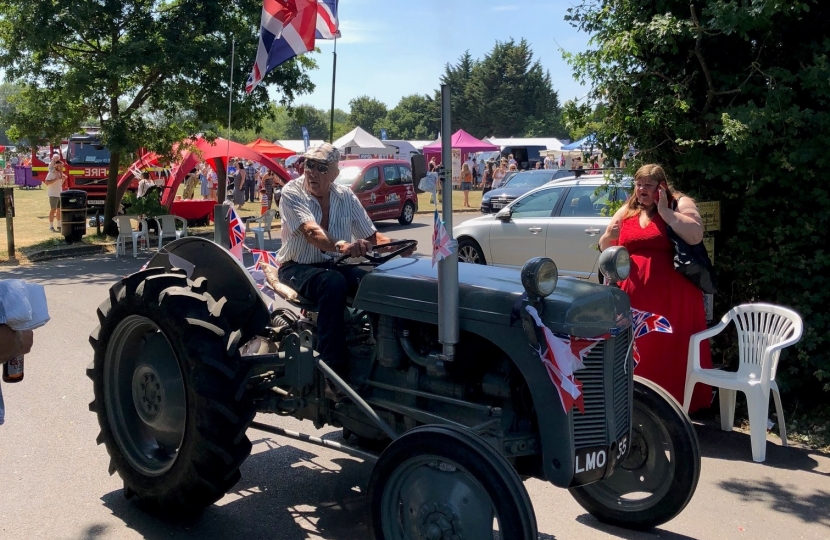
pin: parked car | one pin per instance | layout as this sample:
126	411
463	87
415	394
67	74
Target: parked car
562	220
517	184
383	186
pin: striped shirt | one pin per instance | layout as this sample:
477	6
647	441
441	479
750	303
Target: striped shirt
347	221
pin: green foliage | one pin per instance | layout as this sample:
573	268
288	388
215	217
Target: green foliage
286	123
415	117
731	97
148	206
505	94
151	72
366	112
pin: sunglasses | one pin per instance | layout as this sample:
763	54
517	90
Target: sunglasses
323	168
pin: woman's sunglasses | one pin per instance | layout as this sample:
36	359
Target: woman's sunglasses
312	165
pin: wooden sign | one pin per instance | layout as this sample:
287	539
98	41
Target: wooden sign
710	213
709	244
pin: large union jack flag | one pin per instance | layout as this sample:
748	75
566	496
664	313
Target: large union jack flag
236	233
644	322
327	23
287	28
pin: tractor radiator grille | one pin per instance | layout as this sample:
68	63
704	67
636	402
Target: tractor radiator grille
601	390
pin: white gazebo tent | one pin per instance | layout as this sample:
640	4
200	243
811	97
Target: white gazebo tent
359	142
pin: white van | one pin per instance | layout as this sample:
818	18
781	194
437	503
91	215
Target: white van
403	149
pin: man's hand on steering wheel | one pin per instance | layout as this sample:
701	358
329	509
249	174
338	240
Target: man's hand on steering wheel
358	248
395	244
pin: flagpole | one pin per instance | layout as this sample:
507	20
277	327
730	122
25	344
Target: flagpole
230	100
333	76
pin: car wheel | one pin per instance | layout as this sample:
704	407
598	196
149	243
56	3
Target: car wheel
407	214
470	252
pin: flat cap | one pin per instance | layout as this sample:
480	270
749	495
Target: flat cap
325	153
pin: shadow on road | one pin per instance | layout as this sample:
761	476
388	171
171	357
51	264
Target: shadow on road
617	532
810	508
735	446
285	493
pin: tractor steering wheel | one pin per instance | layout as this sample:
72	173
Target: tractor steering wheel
369	259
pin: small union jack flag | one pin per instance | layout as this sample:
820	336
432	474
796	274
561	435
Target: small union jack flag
262	258
442	244
236	233
644	322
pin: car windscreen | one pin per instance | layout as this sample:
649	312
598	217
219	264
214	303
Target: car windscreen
528	180
348	175
85	152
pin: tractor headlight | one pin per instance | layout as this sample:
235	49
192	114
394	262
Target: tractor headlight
615	263
539	277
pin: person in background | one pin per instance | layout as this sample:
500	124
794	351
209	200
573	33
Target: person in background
54	185
476	176
641	226
539	164
487	177
213	182
250	181
511	161
190	184
498	174
299	166
204	183
466	183
144	184
239	184
431	166
548	162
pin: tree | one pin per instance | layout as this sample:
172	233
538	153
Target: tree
507	93
414	117
8	92
732	98
151	72
366	111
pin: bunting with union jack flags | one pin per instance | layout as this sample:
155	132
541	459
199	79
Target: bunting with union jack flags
442	244
564	355
644	322
236	233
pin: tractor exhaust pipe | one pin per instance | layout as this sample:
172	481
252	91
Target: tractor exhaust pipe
447	268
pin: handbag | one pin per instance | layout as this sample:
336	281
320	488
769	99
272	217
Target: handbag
693	263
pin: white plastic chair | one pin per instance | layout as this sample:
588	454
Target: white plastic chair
167	227
130	228
264	222
763	330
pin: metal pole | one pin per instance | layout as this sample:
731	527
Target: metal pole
220	211
8	201
448	267
333	78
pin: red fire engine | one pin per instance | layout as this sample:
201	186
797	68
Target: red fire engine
86	163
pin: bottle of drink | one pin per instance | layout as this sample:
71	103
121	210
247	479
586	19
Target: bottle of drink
13	370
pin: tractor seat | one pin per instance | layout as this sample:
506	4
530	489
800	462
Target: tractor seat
285	291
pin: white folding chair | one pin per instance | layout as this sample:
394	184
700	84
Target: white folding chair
763	330
130	228
263	228
167	227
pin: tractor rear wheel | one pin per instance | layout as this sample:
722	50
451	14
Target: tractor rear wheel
168	383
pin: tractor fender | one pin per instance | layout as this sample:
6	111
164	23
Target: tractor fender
213	269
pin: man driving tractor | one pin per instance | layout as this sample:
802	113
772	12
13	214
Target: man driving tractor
321	222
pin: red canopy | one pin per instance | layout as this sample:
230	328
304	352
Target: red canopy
204	151
270	149
460	139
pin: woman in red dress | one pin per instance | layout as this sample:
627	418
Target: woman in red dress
654	286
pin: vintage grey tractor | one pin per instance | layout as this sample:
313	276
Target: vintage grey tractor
187	353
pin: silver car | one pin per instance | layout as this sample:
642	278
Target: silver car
562	220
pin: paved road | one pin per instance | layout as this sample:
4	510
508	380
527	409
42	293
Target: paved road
54	482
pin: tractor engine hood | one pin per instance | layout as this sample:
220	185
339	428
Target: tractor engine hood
409	288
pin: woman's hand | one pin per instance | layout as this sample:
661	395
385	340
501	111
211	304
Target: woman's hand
662	201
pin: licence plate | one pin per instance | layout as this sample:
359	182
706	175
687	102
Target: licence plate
95	202
498	204
590	464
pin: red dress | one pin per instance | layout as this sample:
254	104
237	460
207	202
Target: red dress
655	286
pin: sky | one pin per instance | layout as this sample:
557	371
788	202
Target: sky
390	49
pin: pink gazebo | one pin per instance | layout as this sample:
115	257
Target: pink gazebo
462	140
